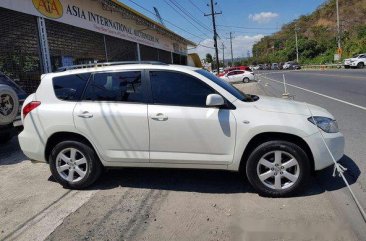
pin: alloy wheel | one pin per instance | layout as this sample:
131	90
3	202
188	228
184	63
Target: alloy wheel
278	170
71	165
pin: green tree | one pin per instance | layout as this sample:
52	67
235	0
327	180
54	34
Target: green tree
209	58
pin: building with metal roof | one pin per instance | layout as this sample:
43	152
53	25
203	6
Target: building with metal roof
40	36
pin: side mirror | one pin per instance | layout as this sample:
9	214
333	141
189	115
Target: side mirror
215	100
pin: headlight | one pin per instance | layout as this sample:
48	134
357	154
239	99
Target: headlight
326	124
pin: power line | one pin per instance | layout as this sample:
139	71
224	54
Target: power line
185	18
231	26
167	21
188	14
196	6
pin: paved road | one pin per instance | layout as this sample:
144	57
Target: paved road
158	204
347	86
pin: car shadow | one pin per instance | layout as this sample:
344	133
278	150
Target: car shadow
213	181
10	153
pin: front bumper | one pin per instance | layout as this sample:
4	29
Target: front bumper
349	63
322	158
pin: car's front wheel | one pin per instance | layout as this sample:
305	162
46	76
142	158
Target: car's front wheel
278	168
246	80
74	164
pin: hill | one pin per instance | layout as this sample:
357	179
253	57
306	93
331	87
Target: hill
317	35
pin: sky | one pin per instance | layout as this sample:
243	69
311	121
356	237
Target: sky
248	21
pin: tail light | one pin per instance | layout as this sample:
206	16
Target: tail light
29	107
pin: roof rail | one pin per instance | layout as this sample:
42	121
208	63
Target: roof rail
94	65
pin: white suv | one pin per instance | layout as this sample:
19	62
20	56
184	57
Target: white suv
357	61
168	116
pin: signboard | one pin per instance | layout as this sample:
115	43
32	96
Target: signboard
90	15
337	57
339	51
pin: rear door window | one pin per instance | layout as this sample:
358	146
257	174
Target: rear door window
116	86
70	87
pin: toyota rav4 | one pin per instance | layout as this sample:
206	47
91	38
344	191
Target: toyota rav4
166	116
357	61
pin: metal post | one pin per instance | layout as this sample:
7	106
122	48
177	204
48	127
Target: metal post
297	46
171	56
223	54
138	52
43	43
105	49
231	46
338	28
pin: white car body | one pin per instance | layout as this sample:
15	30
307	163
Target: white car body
191	137
238	76
356	61
286	65
219	133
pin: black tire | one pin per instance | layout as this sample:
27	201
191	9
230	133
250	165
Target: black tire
93	171
346	66
295	151
360	65
246	80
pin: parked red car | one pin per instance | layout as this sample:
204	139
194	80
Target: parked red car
227	70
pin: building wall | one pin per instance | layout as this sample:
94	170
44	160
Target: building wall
19	49
21	55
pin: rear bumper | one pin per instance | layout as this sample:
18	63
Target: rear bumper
322	158
32	145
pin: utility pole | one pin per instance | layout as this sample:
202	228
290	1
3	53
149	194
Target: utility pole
231	48
338	29
223	54
297	46
213	13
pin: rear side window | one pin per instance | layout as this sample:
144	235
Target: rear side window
116	86
174	88
231	73
70	87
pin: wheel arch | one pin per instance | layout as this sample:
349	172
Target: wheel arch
271	136
62	136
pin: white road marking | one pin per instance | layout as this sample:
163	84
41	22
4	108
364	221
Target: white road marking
317	93
48	220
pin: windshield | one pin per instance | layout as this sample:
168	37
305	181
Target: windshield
356	56
223	84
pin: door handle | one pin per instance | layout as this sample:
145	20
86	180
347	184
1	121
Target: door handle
159	117
85	114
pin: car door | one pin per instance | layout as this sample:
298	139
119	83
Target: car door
231	76
113	116
239	75
182	129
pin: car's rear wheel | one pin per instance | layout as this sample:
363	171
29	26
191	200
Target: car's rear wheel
360	65
246	80
278	168
74	164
